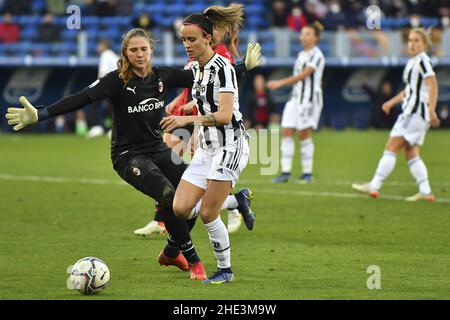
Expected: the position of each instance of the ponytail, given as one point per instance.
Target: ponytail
(317, 27)
(225, 19)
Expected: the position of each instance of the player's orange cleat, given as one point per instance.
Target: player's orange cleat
(179, 261)
(366, 188)
(198, 271)
(420, 196)
(374, 194)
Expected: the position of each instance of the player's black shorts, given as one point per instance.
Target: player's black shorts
(155, 173)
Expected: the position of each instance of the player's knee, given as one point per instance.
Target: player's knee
(208, 214)
(305, 134)
(181, 209)
(288, 132)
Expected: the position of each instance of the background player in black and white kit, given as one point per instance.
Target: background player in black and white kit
(418, 112)
(302, 111)
(223, 148)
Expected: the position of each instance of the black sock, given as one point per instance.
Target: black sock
(179, 233)
(159, 216)
(191, 223)
(228, 270)
(171, 249)
(190, 254)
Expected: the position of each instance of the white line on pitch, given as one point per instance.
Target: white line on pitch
(349, 183)
(60, 180)
(270, 190)
(338, 195)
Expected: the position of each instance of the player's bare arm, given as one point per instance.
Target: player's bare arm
(221, 117)
(276, 84)
(388, 105)
(433, 94)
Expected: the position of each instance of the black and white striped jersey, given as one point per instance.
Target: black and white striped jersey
(417, 91)
(217, 76)
(310, 89)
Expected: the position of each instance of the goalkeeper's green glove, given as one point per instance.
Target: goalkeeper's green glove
(253, 56)
(22, 118)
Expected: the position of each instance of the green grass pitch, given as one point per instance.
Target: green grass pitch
(61, 200)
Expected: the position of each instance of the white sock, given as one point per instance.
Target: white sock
(287, 153)
(307, 154)
(220, 242)
(420, 173)
(384, 169)
(229, 203)
(195, 210)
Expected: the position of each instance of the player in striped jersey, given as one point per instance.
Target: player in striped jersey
(302, 111)
(226, 45)
(223, 148)
(419, 100)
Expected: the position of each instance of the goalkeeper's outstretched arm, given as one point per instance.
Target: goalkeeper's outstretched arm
(21, 118)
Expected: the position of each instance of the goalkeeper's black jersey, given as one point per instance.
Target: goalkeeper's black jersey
(138, 107)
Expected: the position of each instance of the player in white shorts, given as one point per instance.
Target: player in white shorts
(223, 151)
(419, 103)
(302, 111)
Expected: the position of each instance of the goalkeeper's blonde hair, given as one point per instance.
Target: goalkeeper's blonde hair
(124, 65)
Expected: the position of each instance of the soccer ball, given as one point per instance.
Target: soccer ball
(88, 275)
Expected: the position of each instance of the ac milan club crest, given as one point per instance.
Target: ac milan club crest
(160, 86)
(136, 171)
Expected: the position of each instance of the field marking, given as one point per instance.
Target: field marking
(340, 195)
(61, 180)
(264, 190)
(349, 183)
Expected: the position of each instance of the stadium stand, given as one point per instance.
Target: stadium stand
(349, 46)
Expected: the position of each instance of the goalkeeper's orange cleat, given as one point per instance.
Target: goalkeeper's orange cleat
(198, 271)
(179, 261)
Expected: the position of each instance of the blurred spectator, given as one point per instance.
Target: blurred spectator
(414, 21)
(9, 31)
(445, 22)
(378, 118)
(436, 42)
(260, 105)
(56, 7)
(335, 18)
(278, 14)
(18, 7)
(106, 8)
(443, 113)
(48, 31)
(124, 7)
(314, 10)
(296, 20)
(354, 14)
(176, 26)
(108, 58)
(144, 21)
(88, 7)
(393, 8)
(100, 114)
